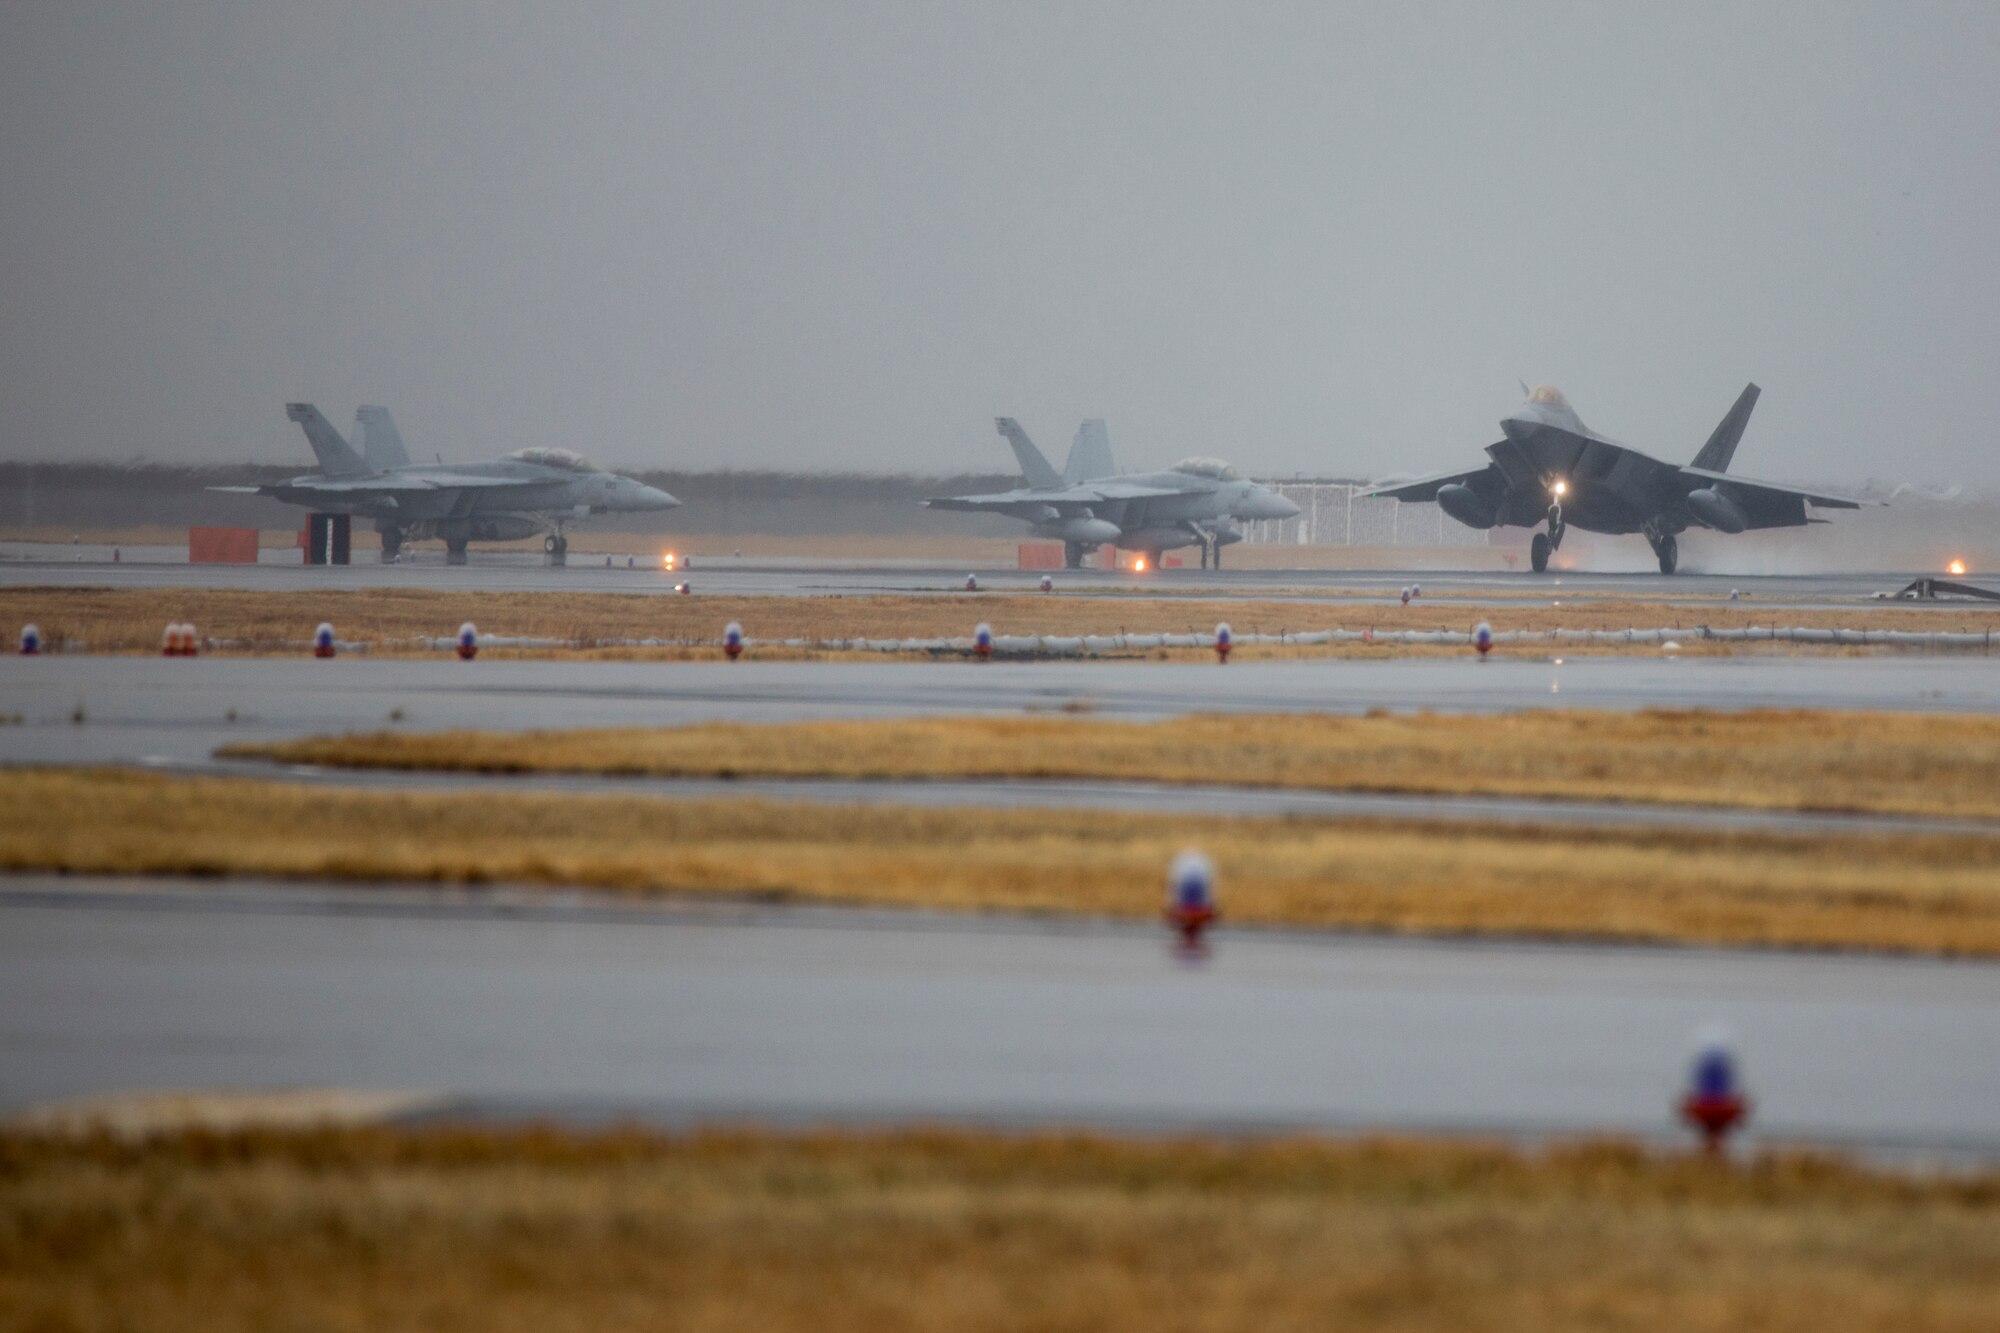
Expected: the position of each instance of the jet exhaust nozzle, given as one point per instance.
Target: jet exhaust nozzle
(1463, 503)
(1717, 510)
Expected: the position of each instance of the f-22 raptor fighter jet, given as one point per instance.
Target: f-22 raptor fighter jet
(1196, 502)
(506, 499)
(1552, 467)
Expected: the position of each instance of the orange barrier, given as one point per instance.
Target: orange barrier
(222, 546)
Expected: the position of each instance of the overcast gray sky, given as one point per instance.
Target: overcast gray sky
(845, 236)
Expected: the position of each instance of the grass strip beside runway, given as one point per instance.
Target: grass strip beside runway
(1926, 894)
(492, 1231)
(272, 622)
(1810, 760)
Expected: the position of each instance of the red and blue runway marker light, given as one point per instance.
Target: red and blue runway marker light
(1223, 643)
(972, 583)
(1191, 898)
(1048, 584)
(31, 640)
(1406, 594)
(179, 641)
(1482, 639)
(468, 642)
(982, 641)
(732, 641)
(323, 645)
(1714, 1103)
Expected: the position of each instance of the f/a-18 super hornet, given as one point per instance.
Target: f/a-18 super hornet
(528, 491)
(1196, 502)
(1553, 468)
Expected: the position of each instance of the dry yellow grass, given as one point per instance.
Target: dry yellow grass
(130, 619)
(494, 1231)
(1921, 894)
(1912, 763)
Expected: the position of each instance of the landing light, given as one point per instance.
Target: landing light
(1560, 488)
(1955, 567)
(667, 561)
(1139, 565)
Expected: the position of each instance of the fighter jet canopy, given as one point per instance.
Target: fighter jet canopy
(1548, 395)
(567, 459)
(1213, 468)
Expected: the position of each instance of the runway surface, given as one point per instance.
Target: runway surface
(23, 565)
(583, 1008)
(136, 708)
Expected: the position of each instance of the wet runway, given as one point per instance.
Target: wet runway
(584, 1008)
(724, 575)
(136, 708)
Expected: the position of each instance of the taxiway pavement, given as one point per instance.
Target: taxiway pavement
(585, 1008)
(176, 709)
(25, 565)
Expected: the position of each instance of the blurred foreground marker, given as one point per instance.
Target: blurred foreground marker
(732, 641)
(31, 640)
(982, 641)
(1416, 591)
(972, 583)
(1191, 898)
(468, 642)
(1223, 643)
(323, 640)
(1048, 584)
(1714, 1103)
(1482, 639)
(1406, 594)
(178, 641)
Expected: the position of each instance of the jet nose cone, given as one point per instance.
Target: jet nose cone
(1520, 425)
(1283, 508)
(652, 497)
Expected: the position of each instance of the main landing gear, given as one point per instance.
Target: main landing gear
(1211, 553)
(1073, 555)
(392, 544)
(1666, 548)
(1546, 544)
(557, 546)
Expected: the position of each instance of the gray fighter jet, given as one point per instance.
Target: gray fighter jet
(1197, 502)
(1553, 468)
(528, 491)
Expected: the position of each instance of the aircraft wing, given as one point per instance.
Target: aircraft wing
(1770, 491)
(1112, 489)
(353, 486)
(1004, 501)
(1423, 488)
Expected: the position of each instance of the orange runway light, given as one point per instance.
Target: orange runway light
(1955, 567)
(1139, 565)
(667, 561)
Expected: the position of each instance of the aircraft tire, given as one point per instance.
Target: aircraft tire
(1670, 554)
(392, 544)
(550, 544)
(1072, 555)
(454, 553)
(1538, 552)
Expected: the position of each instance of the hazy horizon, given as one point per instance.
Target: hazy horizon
(845, 238)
